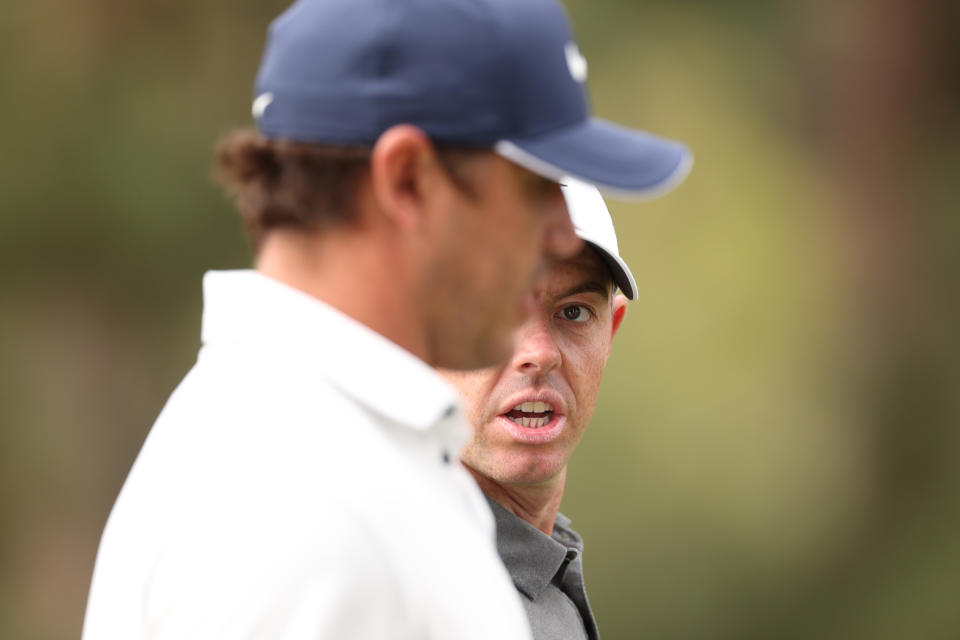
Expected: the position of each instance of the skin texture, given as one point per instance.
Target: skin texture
(559, 355)
(443, 273)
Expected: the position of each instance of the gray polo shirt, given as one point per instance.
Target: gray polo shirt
(548, 573)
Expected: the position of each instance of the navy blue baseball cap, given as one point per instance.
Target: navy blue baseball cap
(501, 74)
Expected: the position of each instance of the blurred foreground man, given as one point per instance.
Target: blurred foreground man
(530, 413)
(301, 482)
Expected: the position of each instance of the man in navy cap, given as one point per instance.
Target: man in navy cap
(400, 193)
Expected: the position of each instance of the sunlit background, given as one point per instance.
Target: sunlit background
(776, 448)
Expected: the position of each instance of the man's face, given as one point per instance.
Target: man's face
(496, 240)
(530, 413)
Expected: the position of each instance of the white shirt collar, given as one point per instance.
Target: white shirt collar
(245, 306)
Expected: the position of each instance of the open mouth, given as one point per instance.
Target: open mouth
(532, 415)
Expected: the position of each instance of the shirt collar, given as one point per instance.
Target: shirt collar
(534, 559)
(247, 307)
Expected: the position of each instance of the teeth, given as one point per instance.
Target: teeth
(533, 423)
(534, 407)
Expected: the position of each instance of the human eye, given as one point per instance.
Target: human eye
(576, 313)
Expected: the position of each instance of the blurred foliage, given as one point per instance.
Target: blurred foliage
(774, 451)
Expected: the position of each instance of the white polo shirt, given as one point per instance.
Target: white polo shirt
(301, 482)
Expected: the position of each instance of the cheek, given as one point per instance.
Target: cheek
(585, 365)
(520, 233)
(475, 389)
(499, 265)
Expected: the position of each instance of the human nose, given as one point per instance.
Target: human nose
(535, 351)
(561, 240)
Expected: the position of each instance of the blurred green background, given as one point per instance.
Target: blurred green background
(775, 451)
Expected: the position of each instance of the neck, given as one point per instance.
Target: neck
(356, 271)
(537, 504)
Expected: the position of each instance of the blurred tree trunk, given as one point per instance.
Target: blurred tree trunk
(880, 77)
(879, 85)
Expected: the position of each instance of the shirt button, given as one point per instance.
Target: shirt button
(445, 456)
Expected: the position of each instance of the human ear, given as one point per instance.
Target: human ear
(399, 166)
(619, 312)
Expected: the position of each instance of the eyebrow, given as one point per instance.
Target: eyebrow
(587, 286)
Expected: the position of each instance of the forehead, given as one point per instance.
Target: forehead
(587, 267)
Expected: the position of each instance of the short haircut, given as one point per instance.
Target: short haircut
(280, 183)
(277, 183)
